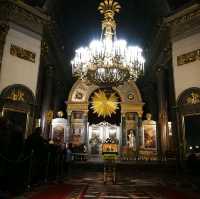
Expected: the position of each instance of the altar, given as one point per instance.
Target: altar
(99, 133)
(96, 114)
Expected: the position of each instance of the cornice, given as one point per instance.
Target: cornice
(184, 23)
(23, 15)
(184, 15)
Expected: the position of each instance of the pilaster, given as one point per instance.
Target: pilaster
(162, 114)
(47, 104)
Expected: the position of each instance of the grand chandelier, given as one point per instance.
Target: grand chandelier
(108, 61)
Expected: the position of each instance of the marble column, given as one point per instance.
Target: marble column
(123, 121)
(137, 135)
(69, 116)
(3, 33)
(140, 133)
(86, 129)
(162, 114)
(176, 125)
(47, 104)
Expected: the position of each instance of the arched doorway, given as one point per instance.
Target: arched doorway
(188, 118)
(17, 104)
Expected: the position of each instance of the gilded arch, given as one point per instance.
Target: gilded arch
(131, 100)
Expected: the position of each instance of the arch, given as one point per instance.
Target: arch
(190, 96)
(82, 90)
(28, 96)
(131, 100)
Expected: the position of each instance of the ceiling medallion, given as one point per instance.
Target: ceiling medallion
(108, 61)
(104, 105)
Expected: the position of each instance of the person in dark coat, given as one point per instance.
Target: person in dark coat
(37, 145)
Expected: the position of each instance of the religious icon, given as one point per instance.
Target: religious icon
(113, 137)
(76, 136)
(149, 138)
(149, 128)
(95, 142)
(58, 135)
(131, 140)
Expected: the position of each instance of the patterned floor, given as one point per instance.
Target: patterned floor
(135, 185)
(140, 187)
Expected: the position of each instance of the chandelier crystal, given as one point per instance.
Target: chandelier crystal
(108, 61)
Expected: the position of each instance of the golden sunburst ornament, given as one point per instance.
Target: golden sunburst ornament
(103, 105)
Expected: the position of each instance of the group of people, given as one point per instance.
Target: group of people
(18, 155)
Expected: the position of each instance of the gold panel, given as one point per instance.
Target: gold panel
(129, 107)
(16, 95)
(77, 107)
(188, 57)
(194, 98)
(22, 53)
(49, 116)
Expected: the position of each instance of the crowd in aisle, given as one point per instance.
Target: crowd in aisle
(28, 162)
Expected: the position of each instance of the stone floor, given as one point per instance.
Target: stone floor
(137, 184)
(132, 182)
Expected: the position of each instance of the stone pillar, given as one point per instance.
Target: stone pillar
(140, 132)
(3, 33)
(162, 114)
(47, 104)
(86, 128)
(137, 135)
(123, 120)
(176, 123)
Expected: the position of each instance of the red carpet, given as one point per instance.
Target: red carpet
(60, 191)
(173, 194)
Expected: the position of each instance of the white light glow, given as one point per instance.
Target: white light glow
(107, 53)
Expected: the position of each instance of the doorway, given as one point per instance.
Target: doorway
(192, 131)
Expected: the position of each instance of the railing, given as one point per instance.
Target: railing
(79, 157)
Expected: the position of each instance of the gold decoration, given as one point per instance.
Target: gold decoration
(103, 105)
(193, 99)
(49, 116)
(16, 95)
(22, 53)
(60, 114)
(108, 8)
(188, 57)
